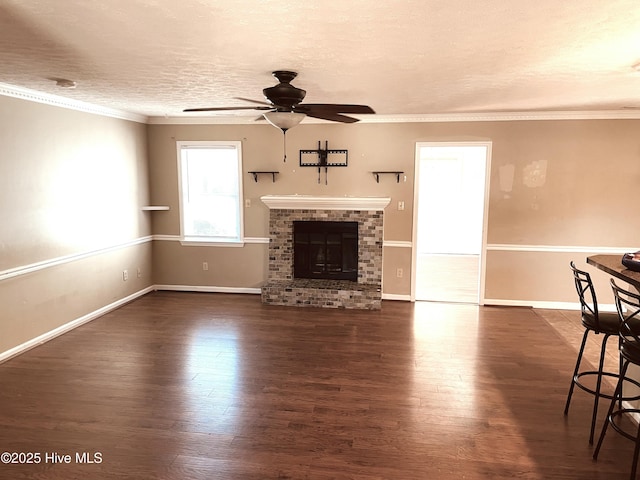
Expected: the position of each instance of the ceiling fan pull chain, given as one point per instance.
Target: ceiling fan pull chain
(284, 144)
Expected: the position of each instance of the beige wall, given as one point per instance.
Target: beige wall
(229, 268)
(592, 167)
(371, 147)
(71, 188)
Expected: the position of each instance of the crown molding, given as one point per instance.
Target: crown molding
(64, 102)
(420, 118)
(505, 116)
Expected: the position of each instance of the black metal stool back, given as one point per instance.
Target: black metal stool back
(587, 296)
(628, 307)
(599, 323)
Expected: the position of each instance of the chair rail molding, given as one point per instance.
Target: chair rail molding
(53, 262)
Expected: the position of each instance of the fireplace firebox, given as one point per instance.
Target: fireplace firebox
(325, 249)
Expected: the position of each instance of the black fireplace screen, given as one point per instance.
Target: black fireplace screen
(325, 250)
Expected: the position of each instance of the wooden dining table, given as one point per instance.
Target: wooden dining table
(612, 264)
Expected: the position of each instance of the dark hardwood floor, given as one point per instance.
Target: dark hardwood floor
(214, 386)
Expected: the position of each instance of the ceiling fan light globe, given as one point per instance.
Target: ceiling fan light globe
(284, 120)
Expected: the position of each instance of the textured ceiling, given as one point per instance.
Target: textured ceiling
(157, 57)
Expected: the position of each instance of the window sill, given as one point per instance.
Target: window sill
(206, 242)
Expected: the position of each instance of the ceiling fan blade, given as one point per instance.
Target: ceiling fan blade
(284, 97)
(335, 107)
(220, 109)
(333, 117)
(259, 102)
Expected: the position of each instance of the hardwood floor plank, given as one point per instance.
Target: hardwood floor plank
(207, 386)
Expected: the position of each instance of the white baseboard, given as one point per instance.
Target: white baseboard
(545, 305)
(395, 296)
(50, 335)
(257, 291)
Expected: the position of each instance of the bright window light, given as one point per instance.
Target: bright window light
(210, 191)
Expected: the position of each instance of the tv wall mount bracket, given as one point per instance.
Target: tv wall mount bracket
(324, 158)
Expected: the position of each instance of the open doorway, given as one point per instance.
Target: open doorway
(449, 228)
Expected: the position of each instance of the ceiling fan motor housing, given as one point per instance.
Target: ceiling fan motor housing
(284, 95)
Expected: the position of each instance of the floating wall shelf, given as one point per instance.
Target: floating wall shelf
(155, 207)
(272, 173)
(396, 173)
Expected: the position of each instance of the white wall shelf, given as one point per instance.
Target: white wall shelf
(155, 207)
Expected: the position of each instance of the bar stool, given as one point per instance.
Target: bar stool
(628, 306)
(599, 323)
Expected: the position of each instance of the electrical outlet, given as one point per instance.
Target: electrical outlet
(401, 205)
(139, 272)
(247, 202)
(205, 266)
(125, 275)
(399, 273)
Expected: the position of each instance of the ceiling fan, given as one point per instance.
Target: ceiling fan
(284, 109)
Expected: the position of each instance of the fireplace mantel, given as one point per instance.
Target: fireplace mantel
(308, 202)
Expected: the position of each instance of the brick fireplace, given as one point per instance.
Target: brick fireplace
(282, 288)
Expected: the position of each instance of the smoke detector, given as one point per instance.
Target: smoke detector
(64, 83)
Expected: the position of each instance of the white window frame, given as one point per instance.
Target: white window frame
(182, 191)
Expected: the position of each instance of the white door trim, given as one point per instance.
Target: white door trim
(414, 233)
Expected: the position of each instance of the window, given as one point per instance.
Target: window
(210, 191)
